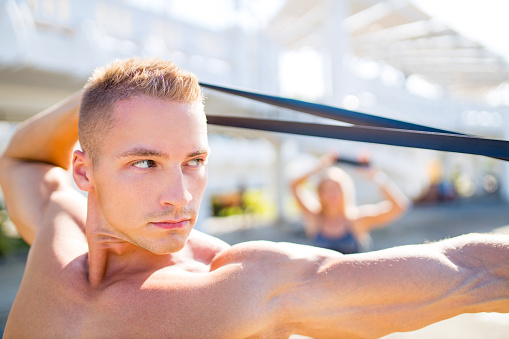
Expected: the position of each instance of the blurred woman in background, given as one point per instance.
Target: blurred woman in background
(334, 221)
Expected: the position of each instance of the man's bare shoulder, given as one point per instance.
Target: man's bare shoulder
(212, 250)
(204, 246)
(231, 301)
(269, 257)
(49, 297)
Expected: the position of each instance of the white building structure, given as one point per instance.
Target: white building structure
(380, 57)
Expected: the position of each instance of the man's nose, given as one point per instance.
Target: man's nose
(175, 191)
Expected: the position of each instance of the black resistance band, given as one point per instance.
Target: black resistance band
(387, 136)
(374, 130)
(324, 111)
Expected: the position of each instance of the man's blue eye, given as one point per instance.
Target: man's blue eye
(144, 164)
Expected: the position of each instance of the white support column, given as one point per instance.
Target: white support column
(504, 179)
(278, 179)
(241, 58)
(504, 173)
(337, 44)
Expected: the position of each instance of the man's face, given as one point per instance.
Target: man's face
(152, 172)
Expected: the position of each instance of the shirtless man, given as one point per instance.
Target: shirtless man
(125, 263)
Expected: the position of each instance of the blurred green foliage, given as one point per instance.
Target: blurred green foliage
(8, 243)
(246, 202)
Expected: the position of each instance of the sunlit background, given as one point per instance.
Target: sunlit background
(441, 63)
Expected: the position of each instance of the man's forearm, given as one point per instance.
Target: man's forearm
(486, 259)
(409, 287)
(50, 136)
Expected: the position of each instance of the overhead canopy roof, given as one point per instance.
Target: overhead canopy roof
(397, 33)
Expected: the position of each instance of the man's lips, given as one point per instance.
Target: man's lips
(171, 224)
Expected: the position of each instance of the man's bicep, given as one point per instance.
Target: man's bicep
(400, 289)
(28, 189)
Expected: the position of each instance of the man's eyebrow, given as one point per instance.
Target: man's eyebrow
(142, 152)
(146, 152)
(199, 152)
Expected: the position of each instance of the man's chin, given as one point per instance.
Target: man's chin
(165, 251)
(172, 245)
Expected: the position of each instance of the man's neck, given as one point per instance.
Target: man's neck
(110, 255)
(112, 261)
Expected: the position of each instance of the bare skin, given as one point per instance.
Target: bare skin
(142, 272)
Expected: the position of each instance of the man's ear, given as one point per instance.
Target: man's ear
(81, 171)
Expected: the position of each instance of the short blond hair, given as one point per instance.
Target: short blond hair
(123, 79)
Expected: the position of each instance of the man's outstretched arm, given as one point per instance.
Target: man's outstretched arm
(404, 288)
(322, 294)
(34, 166)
